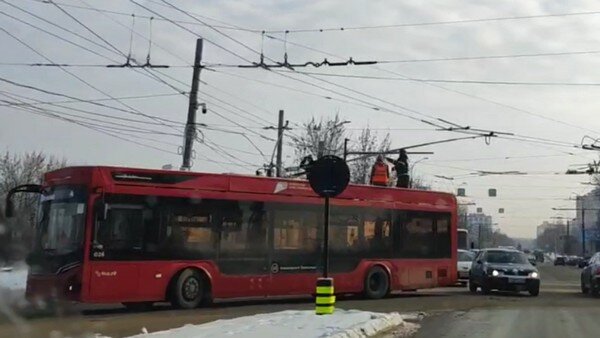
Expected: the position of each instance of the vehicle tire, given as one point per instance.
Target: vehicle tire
(534, 291)
(485, 289)
(138, 306)
(584, 289)
(188, 289)
(594, 290)
(472, 286)
(377, 283)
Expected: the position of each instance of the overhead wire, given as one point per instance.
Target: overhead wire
(44, 112)
(53, 64)
(78, 77)
(331, 83)
(133, 97)
(120, 13)
(185, 28)
(113, 47)
(45, 91)
(132, 30)
(108, 43)
(433, 23)
(458, 81)
(422, 81)
(166, 50)
(56, 36)
(247, 47)
(82, 111)
(490, 57)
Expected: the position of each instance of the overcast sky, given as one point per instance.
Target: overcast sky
(252, 97)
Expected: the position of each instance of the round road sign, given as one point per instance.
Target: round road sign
(329, 176)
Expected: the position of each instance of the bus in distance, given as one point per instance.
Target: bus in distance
(139, 236)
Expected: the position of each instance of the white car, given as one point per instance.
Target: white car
(465, 258)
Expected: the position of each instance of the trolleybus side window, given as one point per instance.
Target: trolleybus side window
(377, 229)
(442, 236)
(189, 228)
(119, 235)
(296, 236)
(422, 235)
(243, 239)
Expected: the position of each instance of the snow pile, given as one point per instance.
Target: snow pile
(13, 279)
(292, 324)
(12, 285)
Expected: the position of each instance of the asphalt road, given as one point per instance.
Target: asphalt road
(559, 311)
(451, 312)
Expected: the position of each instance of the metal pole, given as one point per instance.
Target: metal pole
(567, 243)
(346, 148)
(190, 126)
(583, 231)
(279, 143)
(326, 239)
(479, 235)
(321, 149)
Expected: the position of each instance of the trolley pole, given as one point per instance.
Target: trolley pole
(190, 125)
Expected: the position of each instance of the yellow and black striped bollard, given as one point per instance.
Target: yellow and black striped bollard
(325, 300)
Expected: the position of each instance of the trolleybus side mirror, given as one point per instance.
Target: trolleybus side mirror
(9, 208)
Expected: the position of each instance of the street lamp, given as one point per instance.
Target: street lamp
(421, 160)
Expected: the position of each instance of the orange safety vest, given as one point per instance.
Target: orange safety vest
(380, 174)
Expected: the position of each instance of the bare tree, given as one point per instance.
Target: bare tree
(417, 182)
(501, 239)
(15, 234)
(323, 137)
(367, 142)
(326, 137)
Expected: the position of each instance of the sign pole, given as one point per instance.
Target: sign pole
(328, 177)
(326, 239)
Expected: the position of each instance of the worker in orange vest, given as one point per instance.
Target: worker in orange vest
(380, 174)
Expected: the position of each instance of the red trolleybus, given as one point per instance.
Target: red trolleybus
(137, 236)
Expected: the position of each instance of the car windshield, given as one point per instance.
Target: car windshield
(465, 256)
(506, 257)
(61, 225)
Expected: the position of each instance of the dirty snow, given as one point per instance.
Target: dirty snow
(292, 324)
(13, 278)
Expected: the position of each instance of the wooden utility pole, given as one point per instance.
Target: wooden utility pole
(280, 128)
(190, 125)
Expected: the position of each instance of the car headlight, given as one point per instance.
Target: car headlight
(533, 275)
(495, 273)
